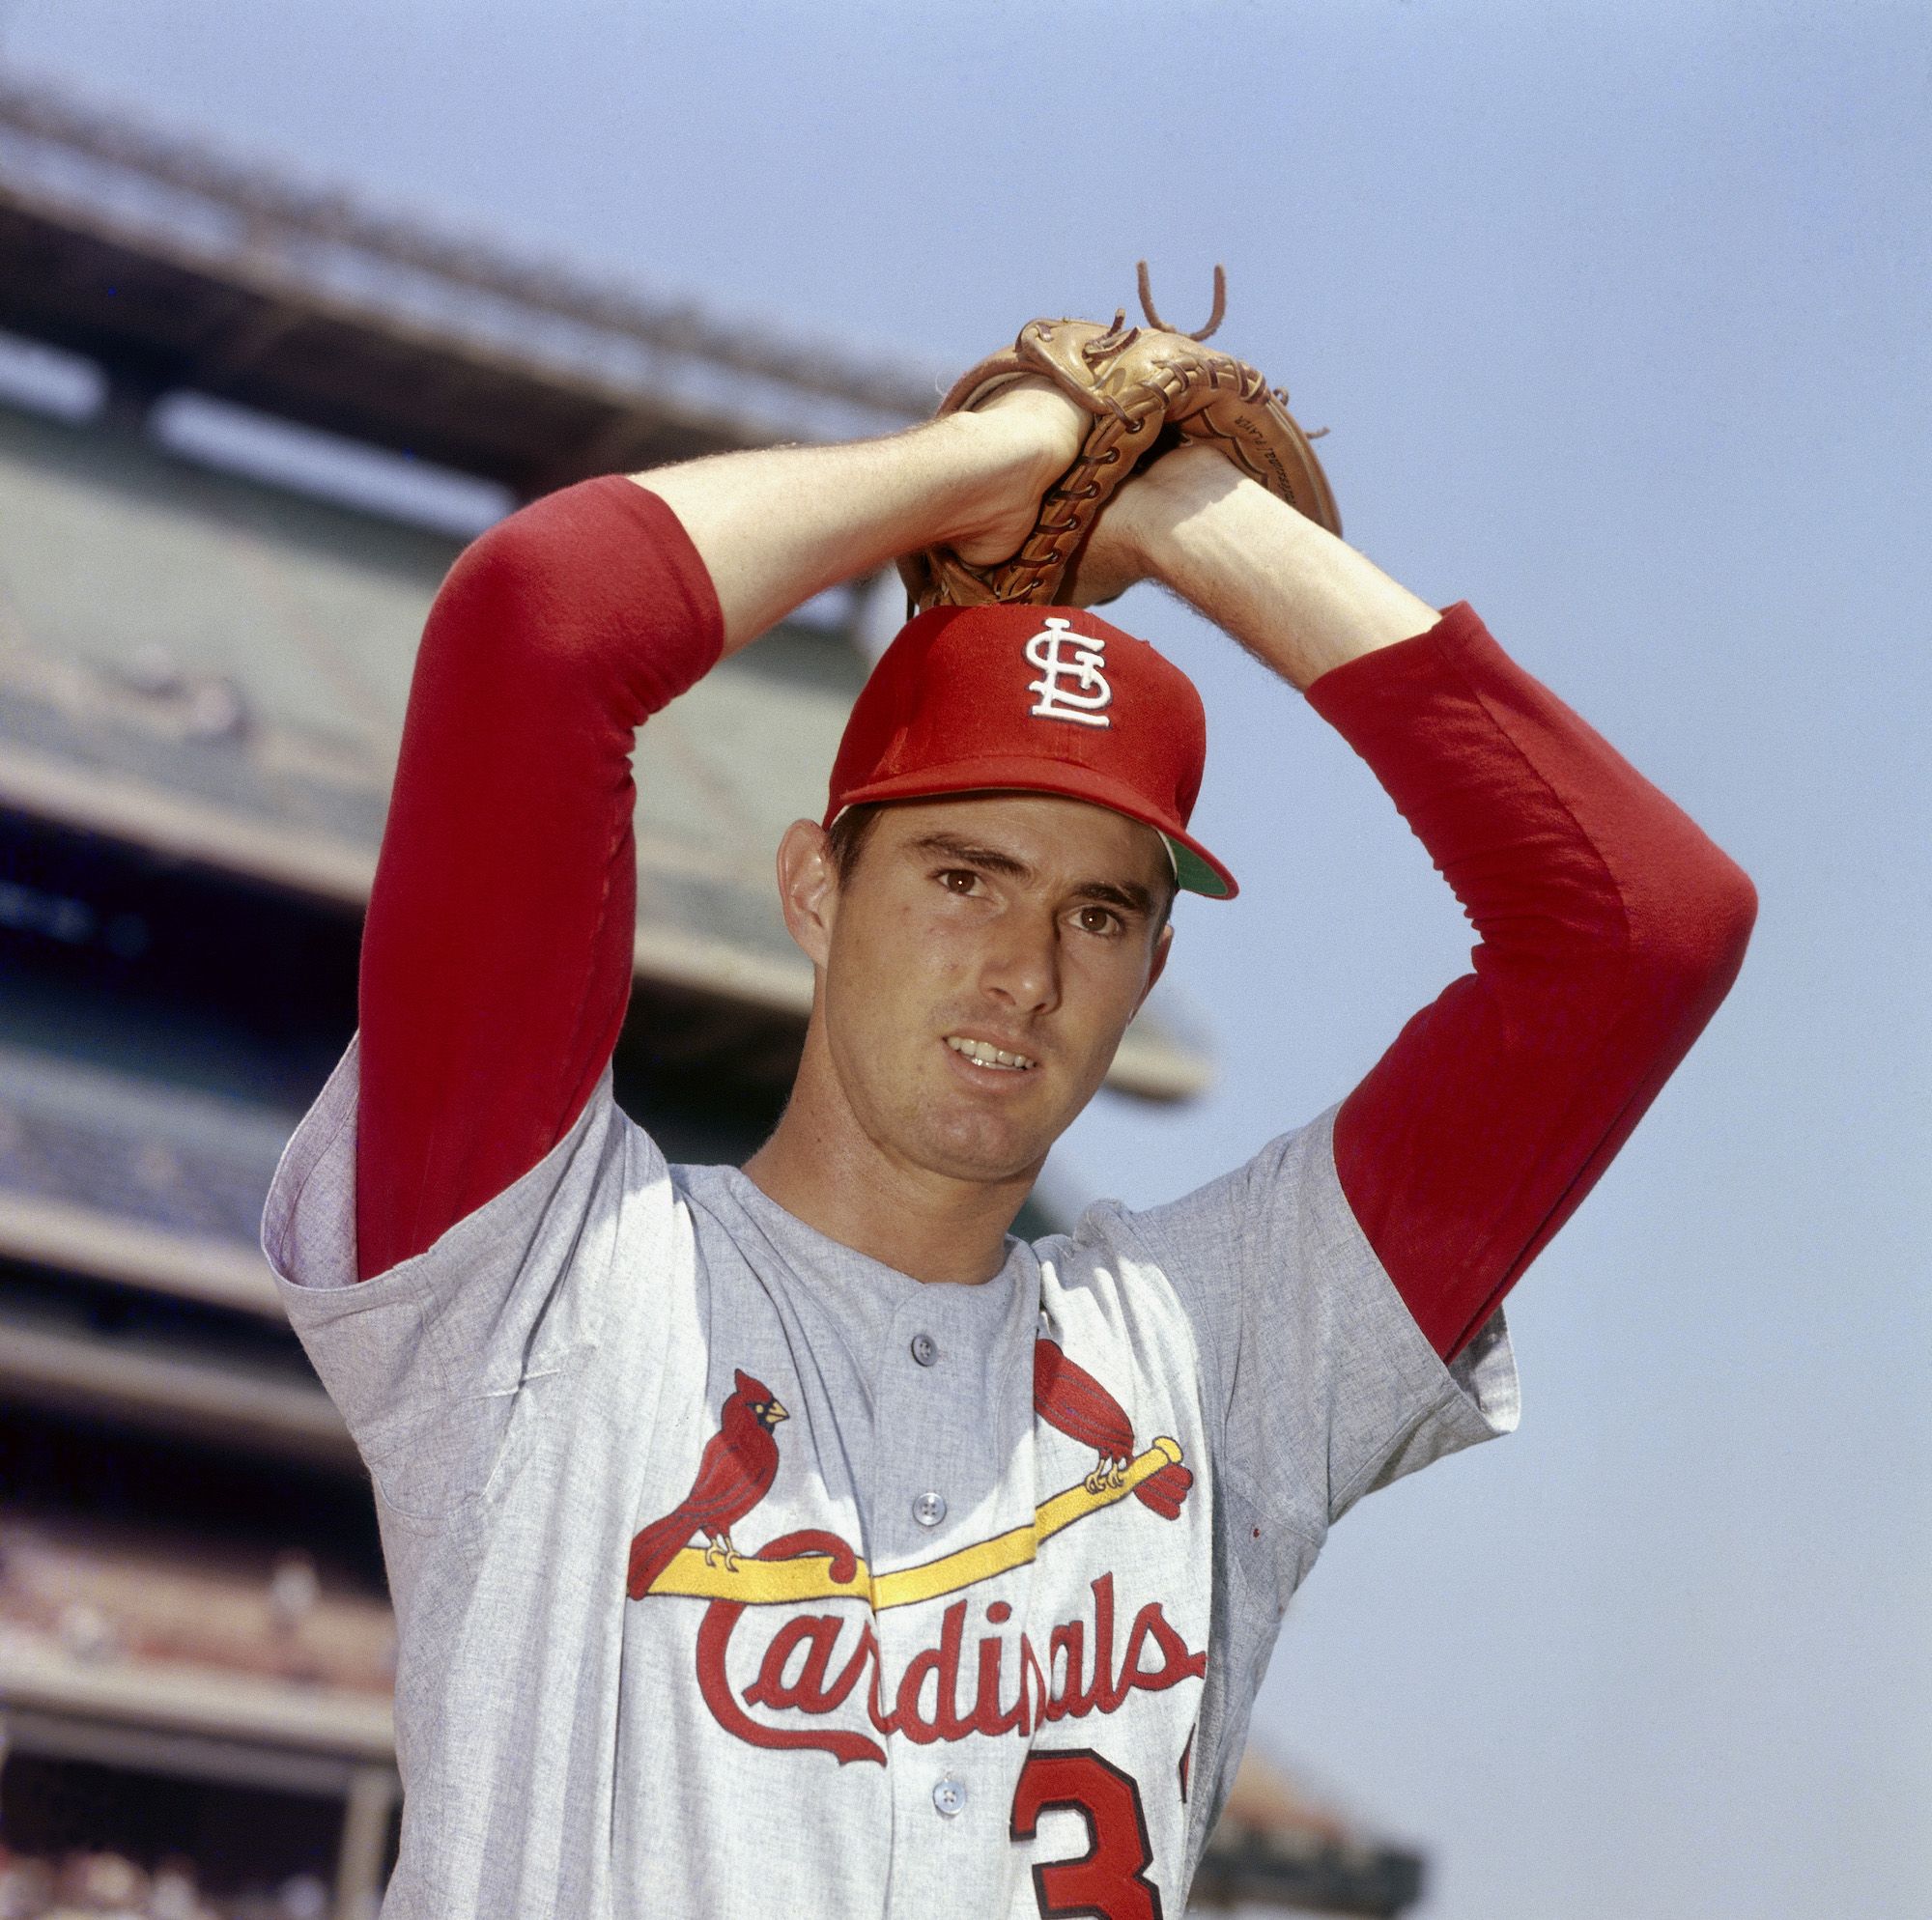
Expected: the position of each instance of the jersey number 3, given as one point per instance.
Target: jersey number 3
(1109, 1880)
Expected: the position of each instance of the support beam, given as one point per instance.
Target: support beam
(364, 1854)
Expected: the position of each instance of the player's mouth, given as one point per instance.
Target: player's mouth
(984, 1054)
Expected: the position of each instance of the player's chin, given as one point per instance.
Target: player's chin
(996, 1140)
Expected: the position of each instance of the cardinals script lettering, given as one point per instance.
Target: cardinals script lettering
(815, 1665)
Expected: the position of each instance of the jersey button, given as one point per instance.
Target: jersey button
(950, 1797)
(929, 1509)
(926, 1349)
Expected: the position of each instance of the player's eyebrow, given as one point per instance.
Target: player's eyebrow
(1128, 896)
(988, 859)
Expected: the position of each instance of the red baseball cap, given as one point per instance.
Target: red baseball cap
(1034, 699)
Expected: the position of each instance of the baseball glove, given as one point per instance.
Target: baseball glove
(1148, 391)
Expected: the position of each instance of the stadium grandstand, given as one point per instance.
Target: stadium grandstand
(245, 428)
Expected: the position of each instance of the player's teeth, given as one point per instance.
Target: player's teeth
(985, 1053)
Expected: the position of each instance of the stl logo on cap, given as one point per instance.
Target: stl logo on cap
(943, 712)
(1071, 686)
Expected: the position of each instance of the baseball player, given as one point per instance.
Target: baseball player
(791, 1538)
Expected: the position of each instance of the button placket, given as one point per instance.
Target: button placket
(948, 1432)
(917, 1414)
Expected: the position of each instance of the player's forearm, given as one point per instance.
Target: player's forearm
(1297, 598)
(775, 525)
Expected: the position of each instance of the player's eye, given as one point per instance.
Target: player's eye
(1098, 919)
(957, 879)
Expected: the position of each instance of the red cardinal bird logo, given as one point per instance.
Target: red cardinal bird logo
(1066, 1396)
(735, 1472)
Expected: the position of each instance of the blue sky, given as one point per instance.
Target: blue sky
(1619, 315)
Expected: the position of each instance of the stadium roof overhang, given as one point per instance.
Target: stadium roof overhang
(175, 269)
(165, 320)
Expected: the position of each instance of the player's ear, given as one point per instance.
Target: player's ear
(1163, 944)
(809, 886)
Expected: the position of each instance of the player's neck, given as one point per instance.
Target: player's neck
(822, 1168)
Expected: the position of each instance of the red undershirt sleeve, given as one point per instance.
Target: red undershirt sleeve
(1610, 930)
(496, 955)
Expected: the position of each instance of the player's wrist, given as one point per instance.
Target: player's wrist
(1156, 511)
(1136, 535)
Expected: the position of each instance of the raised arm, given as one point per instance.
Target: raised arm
(1611, 926)
(497, 955)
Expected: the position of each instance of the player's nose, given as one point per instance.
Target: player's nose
(1020, 965)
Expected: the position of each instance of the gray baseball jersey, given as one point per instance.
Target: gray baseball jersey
(738, 1574)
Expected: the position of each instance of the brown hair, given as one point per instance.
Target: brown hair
(848, 836)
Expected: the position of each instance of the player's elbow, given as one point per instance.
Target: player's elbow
(506, 604)
(1733, 914)
(502, 564)
(1694, 940)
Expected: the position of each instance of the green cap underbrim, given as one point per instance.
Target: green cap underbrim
(1192, 874)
